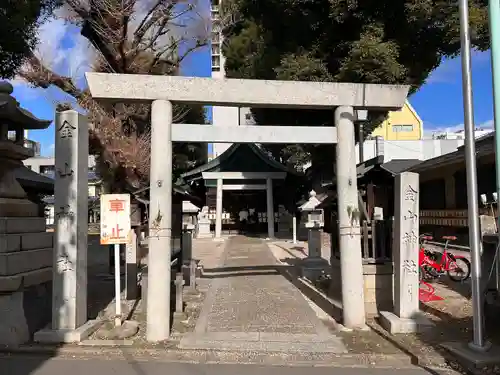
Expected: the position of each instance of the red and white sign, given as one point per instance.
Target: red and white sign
(115, 219)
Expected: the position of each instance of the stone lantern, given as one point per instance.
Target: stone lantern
(305, 209)
(26, 249)
(13, 199)
(313, 222)
(189, 215)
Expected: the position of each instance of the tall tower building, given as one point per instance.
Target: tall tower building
(222, 116)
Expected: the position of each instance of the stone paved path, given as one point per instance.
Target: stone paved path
(251, 306)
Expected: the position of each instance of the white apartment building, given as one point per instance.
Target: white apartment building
(222, 116)
(460, 134)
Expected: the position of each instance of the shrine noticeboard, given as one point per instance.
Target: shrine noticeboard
(115, 219)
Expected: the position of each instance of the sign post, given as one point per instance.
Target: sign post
(115, 230)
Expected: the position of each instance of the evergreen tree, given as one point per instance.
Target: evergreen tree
(19, 20)
(369, 41)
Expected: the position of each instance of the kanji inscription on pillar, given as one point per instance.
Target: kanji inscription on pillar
(406, 233)
(115, 219)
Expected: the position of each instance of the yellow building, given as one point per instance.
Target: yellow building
(402, 125)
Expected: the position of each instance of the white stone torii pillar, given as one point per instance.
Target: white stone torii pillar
(349, 226)
(248, 93)
(160, 223)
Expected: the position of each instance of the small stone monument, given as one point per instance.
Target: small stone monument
(203, 223)
(285, 223)
(314, 264)
(406, 317)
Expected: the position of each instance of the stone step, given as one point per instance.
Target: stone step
(263, 342)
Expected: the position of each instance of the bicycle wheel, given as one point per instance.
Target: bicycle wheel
(425, 275)
(459, 269)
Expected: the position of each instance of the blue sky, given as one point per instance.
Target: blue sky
(438, 102)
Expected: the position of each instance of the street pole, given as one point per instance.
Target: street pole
(494, 18)
(118, 289)
(478, 342)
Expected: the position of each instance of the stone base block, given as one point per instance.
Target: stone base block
(13, 325)
(313, 268)
(14, 283)
(479, 357)
(22, 224)
(25, 261)
(203, 230)
(53, 336)
(18, 207)
(180, 316)
(394, 324)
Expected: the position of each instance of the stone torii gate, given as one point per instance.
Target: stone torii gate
(342, 98)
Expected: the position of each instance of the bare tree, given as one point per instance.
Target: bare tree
(130, 37)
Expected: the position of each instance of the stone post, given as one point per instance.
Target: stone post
(270, 208)
(351, 264)
(131, 268)
(406, 317)
(218, 210)
(179, 303)
(160, 223)
(69, 283)
(187, 243)
(294, 228)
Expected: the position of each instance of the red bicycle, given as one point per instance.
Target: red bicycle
(433, 264)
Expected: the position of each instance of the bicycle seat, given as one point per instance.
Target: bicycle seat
(427, 238)
(449, 238)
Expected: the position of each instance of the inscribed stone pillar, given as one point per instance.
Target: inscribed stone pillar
(405, 248)
(69, 299)
(160, 223)
(270, 208)
(351, 264)
(218, 210)
(406, 317)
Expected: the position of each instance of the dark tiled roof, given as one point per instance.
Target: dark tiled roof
(229, 152)
(92, 176)
(32, 180)
(397, 166)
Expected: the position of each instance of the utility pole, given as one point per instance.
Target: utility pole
(478, 342)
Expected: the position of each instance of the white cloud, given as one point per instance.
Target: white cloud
(430, 129)
(62, 48)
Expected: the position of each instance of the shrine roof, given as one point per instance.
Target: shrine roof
(15, 116)
(34, 181)
(484, 146)
(239, 158)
